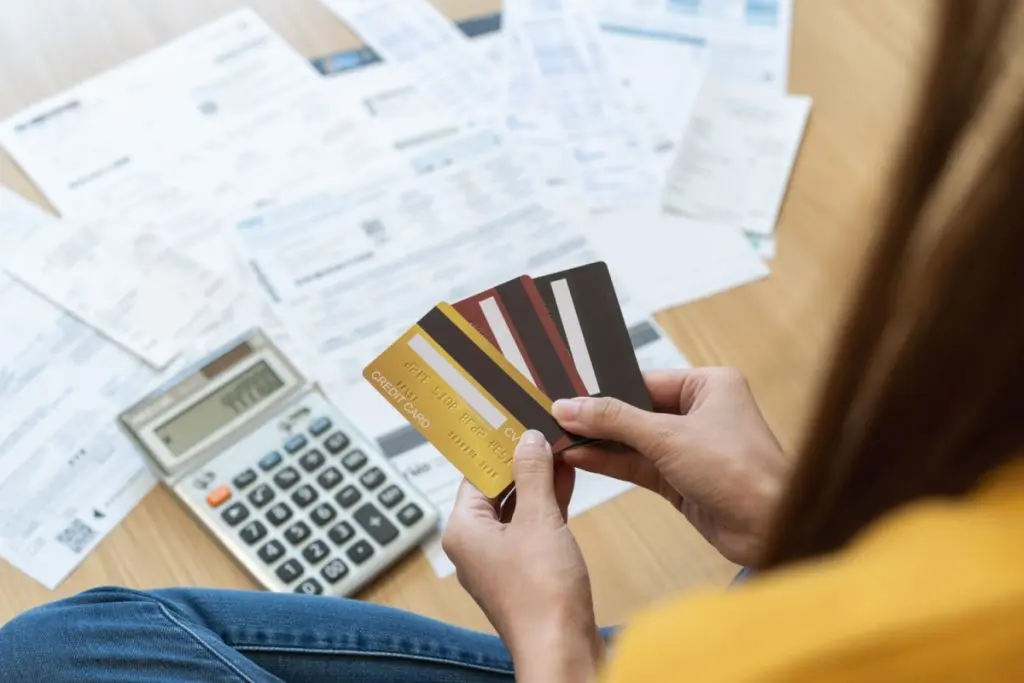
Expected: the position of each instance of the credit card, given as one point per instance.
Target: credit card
(514, 318)
(585, 309)
(463, 396)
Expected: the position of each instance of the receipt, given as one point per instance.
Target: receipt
(734, 163)
(575, 82)
(746, 42)
(413, 35)
(130, 286)
(67, 476)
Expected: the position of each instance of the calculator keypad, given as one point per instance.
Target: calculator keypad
(336, 443)
(290, 570)
(305, 496)
(315, 510)
(312, 461)
(261, 495)
(271, 552)
(279, 514)
(348, 496)
(287, 478)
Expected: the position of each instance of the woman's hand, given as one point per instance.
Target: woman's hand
(707, 450)
(528, 574)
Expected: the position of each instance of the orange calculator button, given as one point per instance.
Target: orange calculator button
(219, 497)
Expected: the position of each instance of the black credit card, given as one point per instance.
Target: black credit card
(586, 311)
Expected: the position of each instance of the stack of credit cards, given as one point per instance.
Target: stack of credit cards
(472, 376)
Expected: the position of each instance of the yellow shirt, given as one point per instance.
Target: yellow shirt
(933, 592)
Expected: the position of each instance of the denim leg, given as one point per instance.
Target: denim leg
(111, 635)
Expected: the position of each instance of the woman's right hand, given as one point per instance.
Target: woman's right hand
(707, 450)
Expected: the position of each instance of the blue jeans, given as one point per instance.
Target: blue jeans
(110, 635)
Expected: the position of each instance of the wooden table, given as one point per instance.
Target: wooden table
(859, 59)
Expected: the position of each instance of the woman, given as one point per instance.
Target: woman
(893, 551)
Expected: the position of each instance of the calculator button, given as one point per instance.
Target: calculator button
(290, 570)
(294, 444)
(287, 478)
(304, 495)
(235, 514)
(334, 570)
(279, 514)
(319, 425)
(219, 497)
(312, 461)
(348, 497)
(353, 461)
(261, 495)
(316, 551)
(310, 587)
(329, 478)
(253, 531)
(341, 532)
(376, 524)
(297, 533)
(270, 460)
(271, 552)
(336, 443)
(410, 514)
(322, 514)
(244, 479)
(391, 496)
(360, 552)
(372, 478)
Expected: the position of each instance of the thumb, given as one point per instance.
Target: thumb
(611, 419)
(533, 467)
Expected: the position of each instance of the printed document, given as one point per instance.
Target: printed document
(734, 163)
(574, 81)
(746, 41)
(416, 37)
(67, 476)
(130, 286)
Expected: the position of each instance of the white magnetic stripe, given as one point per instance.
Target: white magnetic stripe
(574, 335)
(462, 386)
(503, 335)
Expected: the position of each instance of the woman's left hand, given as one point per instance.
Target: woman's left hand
(528, 574)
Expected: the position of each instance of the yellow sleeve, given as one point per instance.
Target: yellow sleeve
(936, 594)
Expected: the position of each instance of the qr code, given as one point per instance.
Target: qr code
(77, 536)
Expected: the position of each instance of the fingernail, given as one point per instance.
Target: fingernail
(567, 409)
(532, 437)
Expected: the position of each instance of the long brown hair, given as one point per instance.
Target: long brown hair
(926, 392)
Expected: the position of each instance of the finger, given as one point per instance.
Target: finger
(620, 463)
(471, 503)
(565, 483)
(533, 467)
(610, 418)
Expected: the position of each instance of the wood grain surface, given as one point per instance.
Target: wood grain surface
(859, 59)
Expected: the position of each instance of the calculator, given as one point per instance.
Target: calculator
(276, 473)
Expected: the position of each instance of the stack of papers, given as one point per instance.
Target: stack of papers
(331, 202)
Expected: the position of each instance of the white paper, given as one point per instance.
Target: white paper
(576, 84)
(747, 42)
(61, 387)
(130, 286)
(240, 115)
(415, 36)
(734, 163)
(668, 260)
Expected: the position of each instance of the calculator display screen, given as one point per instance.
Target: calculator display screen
(220, 408)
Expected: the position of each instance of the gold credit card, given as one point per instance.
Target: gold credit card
(463, 396)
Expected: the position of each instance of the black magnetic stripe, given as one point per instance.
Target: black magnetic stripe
(489, 374)
(528, 325)
(604, 328)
